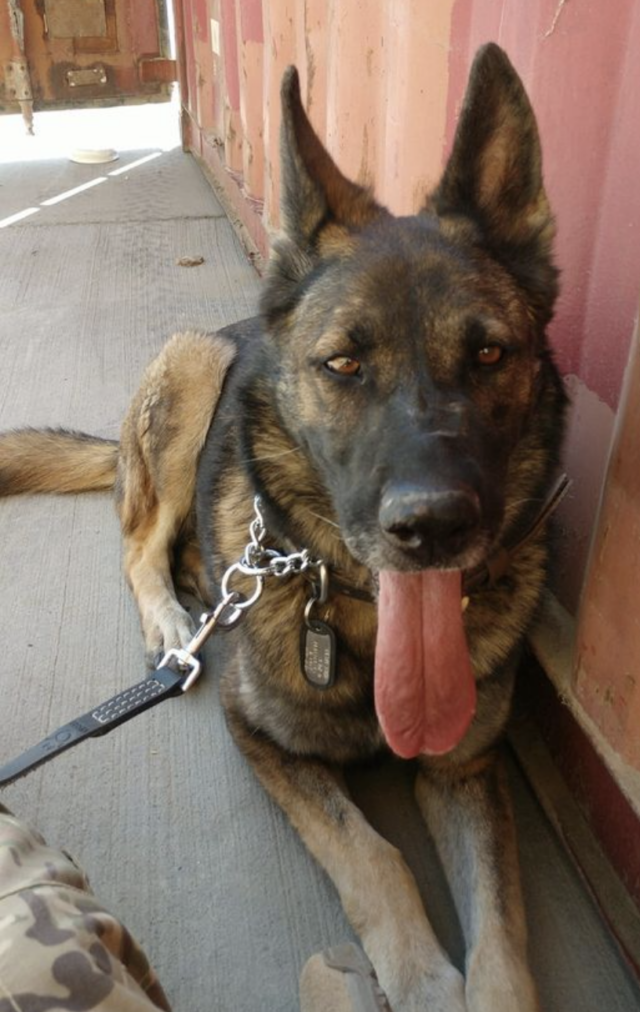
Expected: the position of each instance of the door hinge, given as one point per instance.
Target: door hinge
(18, 80)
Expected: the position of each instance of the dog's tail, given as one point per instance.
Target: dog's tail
(55, 460)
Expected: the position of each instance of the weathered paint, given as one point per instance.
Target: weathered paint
(612, 812)
(17, 75)
(587, 446)
(279, 51)
(374, 76)
(250, 12)
(249, 28)
(607, 677)
(233, 140)
(416, 56)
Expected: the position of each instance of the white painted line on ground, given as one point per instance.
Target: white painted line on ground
(77, 189)
(72, 193)
(18, 217)
(134, 165)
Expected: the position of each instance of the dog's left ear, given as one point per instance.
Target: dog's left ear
(494, 177)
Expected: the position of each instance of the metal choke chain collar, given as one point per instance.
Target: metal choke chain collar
(257, 562)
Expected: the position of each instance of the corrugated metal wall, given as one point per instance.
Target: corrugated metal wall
(374, 76)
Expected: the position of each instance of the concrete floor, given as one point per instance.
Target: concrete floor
(163, 812)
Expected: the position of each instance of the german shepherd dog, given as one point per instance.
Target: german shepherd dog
(397, 410)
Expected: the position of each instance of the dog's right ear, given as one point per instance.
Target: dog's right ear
(319, 206)
(314, 191)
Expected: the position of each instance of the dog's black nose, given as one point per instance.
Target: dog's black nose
(433, 525)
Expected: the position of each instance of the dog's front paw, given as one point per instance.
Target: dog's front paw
(344, 978)
(500, 985)
(440, 991)
(172, 629)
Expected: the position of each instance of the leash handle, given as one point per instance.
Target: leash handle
(177, 671)
(161, 684)
(165, 681)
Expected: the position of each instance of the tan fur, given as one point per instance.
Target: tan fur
(376, 888)
(162, 436)
(154, 471)
(55, 461)
(462, 796)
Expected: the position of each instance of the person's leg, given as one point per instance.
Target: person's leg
(59, 947)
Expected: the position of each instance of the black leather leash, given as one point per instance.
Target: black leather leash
(176, 673)
(180, 668)
(161, 684)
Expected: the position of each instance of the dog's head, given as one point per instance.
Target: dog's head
(409, 350)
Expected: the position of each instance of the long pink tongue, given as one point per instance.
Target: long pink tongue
(425, 692)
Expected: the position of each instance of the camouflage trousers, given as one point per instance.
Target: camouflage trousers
(61, 951)
(59, 948)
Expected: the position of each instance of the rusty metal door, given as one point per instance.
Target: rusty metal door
(61, 53)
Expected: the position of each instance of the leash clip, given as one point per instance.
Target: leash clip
(188, 661)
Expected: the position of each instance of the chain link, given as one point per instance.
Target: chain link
(253, 562)
(259, 562)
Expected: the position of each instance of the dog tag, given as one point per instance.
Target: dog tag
(318, 654)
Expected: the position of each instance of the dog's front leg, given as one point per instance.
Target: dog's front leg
(377, 890)
(162, 436)
(468, 810)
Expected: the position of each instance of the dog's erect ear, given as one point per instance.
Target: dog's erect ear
(314, 191)
(494, 177)
(319, 207)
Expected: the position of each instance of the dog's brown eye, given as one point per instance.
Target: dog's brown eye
(491, 354)
(343, 365)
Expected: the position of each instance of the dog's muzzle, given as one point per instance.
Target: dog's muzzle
(432, 526)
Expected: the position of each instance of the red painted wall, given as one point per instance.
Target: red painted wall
(580, 65)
